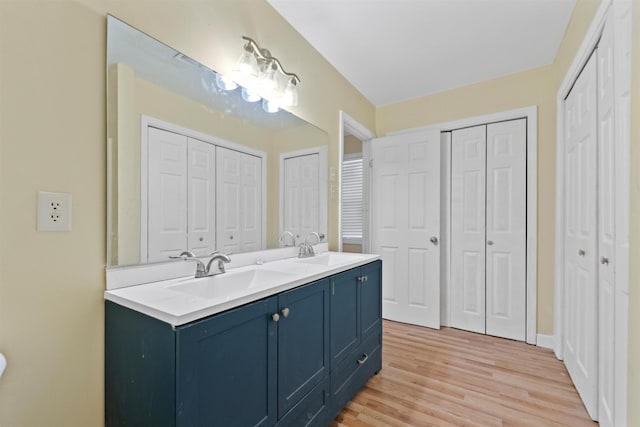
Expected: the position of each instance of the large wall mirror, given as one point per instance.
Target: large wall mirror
(193, 166)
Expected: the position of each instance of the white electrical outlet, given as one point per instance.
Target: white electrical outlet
(54, 211)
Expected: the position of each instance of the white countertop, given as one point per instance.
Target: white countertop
(183, 300)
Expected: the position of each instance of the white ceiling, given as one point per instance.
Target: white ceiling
(395, 50)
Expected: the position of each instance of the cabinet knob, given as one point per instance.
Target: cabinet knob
(201, 239)
(604, 260)
(275, 317)
(581, 252)
(285, 312)
(231, 237)
(490, 242)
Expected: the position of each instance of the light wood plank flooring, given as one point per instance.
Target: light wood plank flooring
(452, 377)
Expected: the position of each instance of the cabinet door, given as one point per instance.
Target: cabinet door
(227, 368)
(345, 318)
(370, 301)
(303, 342)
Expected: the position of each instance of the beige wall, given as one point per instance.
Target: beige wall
(53, 137)
(533, 87)
(352, 145)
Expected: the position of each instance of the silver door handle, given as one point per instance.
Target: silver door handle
(604, 260)
(434, 240)
(285, 312)
(581, 252)
(490, 242)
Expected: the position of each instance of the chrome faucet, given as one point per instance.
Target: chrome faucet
(283, 238)
(306, 248)
(221, 259)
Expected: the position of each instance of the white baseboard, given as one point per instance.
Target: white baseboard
(545, 341)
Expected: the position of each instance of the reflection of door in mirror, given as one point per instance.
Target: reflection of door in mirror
(200, 197)
(239, 206)
(303, 201)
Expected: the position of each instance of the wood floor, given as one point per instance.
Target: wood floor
(457, 378)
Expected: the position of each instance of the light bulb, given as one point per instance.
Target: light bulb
(225, 83)
(249, 95)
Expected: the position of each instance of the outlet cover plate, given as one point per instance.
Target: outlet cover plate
(54, 211)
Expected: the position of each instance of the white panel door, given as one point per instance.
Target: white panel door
(406, 225)
(580, 275)
(506, 229)
(301, 195)
(201, 176)
(167, 194)
(468, 232)
(606, 227)
(238, 201)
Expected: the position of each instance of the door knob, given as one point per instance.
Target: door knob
(490, 242)
(581, 252)
(604, 260)
(285, 312)
(434, 240)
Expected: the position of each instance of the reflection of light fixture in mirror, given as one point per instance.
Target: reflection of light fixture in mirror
(249, 95)
(265, 77)
(270, 106)
(225, 83)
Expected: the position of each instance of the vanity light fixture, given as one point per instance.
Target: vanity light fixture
(262, 76)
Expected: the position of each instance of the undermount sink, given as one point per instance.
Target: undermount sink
(331, 258)
(231, 283)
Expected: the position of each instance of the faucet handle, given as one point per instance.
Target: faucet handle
(183, 255)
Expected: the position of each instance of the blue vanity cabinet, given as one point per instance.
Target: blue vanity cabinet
(226, 368)
(356, 334)
(303, 355)
(291, 359)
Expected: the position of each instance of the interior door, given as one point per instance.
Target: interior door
(580, 257)
(301, 195)
(406, 225)
(506, 228)
(167, 194)
(468, 230)
(238, 201)
(201, 175)
(606, 227)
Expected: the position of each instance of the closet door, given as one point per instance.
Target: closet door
(606, 227)
(506, 229)
(202, 197)
(468, 234)
(238, 201)
(167, 194)
(581, 315)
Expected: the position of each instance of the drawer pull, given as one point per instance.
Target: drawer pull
(363, 360)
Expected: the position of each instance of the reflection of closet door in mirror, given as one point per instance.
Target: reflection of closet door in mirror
(301, 195)
(238, 201)
(167, 194)
(201, 176)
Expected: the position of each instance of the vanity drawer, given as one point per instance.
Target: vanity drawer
(312, 410)
(348, 377)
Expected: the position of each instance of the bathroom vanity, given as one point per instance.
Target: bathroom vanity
(286, 343)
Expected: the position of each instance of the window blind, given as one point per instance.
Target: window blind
(352, 200)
